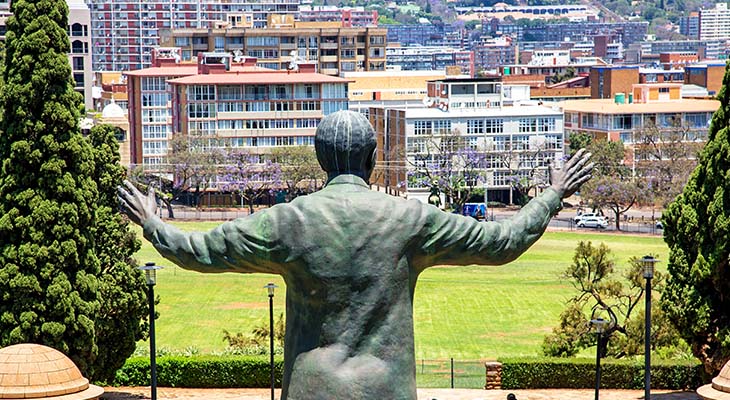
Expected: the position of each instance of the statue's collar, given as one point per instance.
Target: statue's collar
(347, 179)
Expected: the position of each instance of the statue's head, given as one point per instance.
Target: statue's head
(345, 144)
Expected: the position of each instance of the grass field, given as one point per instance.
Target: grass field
(467, 313)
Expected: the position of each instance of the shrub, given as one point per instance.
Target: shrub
(201, 372)
(576, 373)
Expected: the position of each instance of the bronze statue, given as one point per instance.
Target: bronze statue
(350, 258)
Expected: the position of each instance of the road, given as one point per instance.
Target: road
(641, 220)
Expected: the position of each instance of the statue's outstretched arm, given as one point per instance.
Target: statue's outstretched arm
(243, 245)
(451, 239)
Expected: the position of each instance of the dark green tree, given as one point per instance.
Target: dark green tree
(122, 316)
(617, 299)
(48, 269)
(697, 231)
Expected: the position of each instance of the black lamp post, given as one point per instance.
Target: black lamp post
(648, 263)
(150, 273)
(599, 324)
(271, 288)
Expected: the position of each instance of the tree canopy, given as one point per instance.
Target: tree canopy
(58, 207)
(697, 231)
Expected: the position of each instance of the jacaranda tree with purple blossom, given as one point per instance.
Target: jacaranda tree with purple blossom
(613, 185)
(250, 176)
(449, 164)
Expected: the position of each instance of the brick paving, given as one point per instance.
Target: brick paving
(139, 393)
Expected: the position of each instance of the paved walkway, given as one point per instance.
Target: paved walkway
(136, 393)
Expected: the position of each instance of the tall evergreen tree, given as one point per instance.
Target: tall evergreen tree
(119, 324)
(48, 267)
(697, 230)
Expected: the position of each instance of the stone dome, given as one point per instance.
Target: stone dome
(719, 389)
(112, 110)
(33, 371)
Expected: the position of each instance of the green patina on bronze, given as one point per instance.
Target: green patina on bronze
(350, 258)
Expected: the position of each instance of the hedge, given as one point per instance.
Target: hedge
(201, 372)
(580, 373)
(517, 373)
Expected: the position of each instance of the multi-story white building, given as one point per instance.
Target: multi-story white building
(125, 31)
(515, 138)
(714, 22)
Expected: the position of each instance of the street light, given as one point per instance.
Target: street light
(599, 324)
(150, 274)
(648, 263)
(271, 288)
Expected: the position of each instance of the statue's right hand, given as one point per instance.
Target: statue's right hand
(138, 207)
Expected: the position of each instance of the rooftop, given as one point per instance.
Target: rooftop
(432, 113)
(257, 78)
(608, 106)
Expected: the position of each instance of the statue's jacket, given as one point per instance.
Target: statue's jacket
(350, 258)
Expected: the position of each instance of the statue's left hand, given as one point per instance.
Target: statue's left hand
(138, 207)
(575, 172)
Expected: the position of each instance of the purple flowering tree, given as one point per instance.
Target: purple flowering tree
(612, 185)
(299, 168)
(251, 176)
(192, 165)
(449, 164)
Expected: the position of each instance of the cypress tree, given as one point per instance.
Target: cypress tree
(697, 230)
(119, 324)
(48, 267)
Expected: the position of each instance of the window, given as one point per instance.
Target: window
(422, 127)
(77, 63)
(623, 121)
(230, 92)
(263, 41)
(219, 42)
(663, 90)
(182, 41)
(201, 92)
(528, 124)
(154, 99)
(494, 125)
(79, 78)
(201, 110)
(546, 124)
(154, 131)
(697, 120)
(474, 126)
(154, 84)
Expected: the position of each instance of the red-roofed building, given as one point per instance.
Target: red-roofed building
(235, 105)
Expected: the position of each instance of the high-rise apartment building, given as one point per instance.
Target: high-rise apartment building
(333, 49)
(690, 25)
(347, 16)
(125, 31)
(715, 22)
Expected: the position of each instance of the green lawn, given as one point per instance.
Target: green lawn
(462, 312)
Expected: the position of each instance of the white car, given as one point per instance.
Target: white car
(585, 215)
(593, 222)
